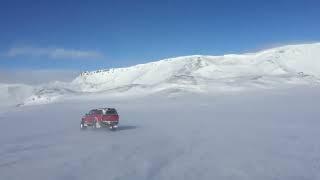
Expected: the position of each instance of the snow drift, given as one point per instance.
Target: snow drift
(283, 66)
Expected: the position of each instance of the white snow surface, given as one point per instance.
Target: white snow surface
(285, 66)
(262, 135)
(197, 117)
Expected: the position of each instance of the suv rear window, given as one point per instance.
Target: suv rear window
(110, 111)
(99, 112)
(96, 111)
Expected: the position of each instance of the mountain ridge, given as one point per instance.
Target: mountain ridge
(277, 67)
(270, 62)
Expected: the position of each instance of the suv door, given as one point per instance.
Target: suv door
(90, 116)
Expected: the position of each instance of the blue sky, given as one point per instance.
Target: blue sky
(88, 35)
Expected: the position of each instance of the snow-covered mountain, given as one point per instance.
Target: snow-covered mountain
(283, 66)
(288, 63)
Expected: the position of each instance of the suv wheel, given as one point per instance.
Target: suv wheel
(82, 126)
(95, 124)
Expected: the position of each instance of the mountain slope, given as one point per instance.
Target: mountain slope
(289, 63)
(12, 94)
(283, 66)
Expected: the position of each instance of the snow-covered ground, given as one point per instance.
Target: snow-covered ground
(250, 116)
(260, 135)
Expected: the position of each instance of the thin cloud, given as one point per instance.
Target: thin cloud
(53, 53)
(35, 77)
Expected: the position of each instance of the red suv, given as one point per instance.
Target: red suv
(102, 117)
